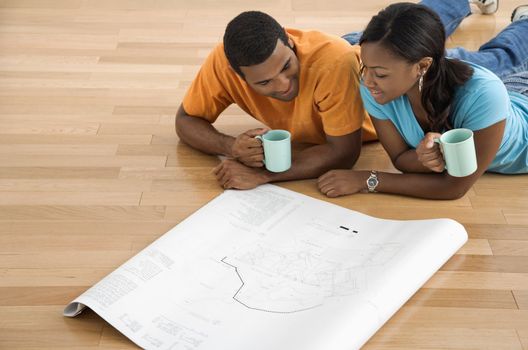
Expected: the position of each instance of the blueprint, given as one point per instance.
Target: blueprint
(267, 269)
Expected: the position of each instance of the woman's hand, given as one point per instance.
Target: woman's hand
(429, 153)
(337, 183)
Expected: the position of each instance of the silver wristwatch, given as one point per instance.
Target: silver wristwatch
(372, 181)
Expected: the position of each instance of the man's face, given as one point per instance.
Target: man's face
(276, 77)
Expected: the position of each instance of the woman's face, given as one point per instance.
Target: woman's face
(386, 75)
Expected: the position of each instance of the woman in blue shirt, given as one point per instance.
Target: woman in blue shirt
(413, 93)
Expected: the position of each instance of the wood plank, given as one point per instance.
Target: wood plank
(66, 260)
(476, 247)
(464, 298)
(49, 128)
(164, 176)
(39, 296)
(516, 216)
(53, 277)
(521, 297)
(478, 280)
(513, 201)
(509, 247)
(75, 185)
(503, 319)
(86, 161)
(45, 324)
(193, 159)
(78, 150)
(136, 129)
(98, 118)
(484, 263)
(191, 199)
(523, 337)
(58, 243)
(67, 227)
(498, 231)
(75, 139)
(443, 338)
(21, 172)
(82, 213)
(35, 4)
(46, 110)
(69, 198)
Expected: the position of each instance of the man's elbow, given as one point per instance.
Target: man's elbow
(346, 160)
(178, 126)
(181, 124)
(349, 161)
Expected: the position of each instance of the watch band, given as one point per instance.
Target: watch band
(372, 181)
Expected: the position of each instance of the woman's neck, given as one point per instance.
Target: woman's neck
(415, 99)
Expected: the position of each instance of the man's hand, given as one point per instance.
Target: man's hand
(247, 149)
(429, 153)
(232, 174)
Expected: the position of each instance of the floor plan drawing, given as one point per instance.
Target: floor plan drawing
(267, 269)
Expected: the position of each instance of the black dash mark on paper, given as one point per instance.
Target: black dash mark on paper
(346, 228)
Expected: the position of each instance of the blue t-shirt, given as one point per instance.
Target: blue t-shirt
(481, 102)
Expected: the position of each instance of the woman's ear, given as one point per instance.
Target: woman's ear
(424, 64)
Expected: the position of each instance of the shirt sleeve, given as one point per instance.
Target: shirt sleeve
(483, 106)
(337, 97)
(207, 96)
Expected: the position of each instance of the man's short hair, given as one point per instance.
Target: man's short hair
(250, 38)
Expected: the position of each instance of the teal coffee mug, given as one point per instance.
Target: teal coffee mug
(277, 150)
(458, 148)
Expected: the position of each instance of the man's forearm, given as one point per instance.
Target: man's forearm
(200, 134)
(313, 162)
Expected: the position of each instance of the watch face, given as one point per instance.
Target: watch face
(372, 182)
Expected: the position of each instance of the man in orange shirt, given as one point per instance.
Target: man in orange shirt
(305, 82)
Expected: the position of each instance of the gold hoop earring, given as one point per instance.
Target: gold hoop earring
(420, 82)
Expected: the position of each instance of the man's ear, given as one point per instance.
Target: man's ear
(290, 41)
(234, 71)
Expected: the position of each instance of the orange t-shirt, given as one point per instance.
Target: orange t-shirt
(328, 103)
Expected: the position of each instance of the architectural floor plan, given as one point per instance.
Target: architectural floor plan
(267, 269)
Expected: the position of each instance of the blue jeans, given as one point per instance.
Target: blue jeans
(505, 55)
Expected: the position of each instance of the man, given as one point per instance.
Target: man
(303, 82)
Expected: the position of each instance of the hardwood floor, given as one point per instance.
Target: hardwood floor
(91, 170)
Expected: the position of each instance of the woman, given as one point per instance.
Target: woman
(413, 93)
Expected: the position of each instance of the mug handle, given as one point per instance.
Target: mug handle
(437, 140)
(262, 141)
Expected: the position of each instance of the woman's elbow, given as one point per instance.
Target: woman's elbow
(455, 191)
(457, 194)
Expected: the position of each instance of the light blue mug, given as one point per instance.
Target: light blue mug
(277, 150)
(458, 148)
